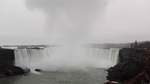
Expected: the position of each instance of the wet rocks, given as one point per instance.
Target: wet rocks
(38, 70)
(10, 70)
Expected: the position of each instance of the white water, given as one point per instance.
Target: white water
(104, 57)
(51, 58)
(31, 58)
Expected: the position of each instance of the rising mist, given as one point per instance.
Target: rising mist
(73, 23)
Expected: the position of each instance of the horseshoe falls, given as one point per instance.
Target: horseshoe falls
(54, 58)
(104, 58)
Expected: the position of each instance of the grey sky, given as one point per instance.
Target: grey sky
(93, 20)
(18, 24)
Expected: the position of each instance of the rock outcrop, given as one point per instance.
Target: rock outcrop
(131, 62)
(7, 56)
(133, 65)
(10, 70)
(7, 66)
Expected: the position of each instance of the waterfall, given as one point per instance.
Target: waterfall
(30, 58)
(21, 58)
(114, 55)
(46, 58)
(104, 58)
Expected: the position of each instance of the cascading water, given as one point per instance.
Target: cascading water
(31, 58)
(104, 58)
(51, 57)
(21, 58)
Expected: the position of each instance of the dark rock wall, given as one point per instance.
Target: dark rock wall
(131, 62)
(127, 54)
(7, 67)
(124, 71)
(7, 57)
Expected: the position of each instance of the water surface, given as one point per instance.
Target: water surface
(92, 76)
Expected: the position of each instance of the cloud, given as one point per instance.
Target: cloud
(69, 20)
(97, 20)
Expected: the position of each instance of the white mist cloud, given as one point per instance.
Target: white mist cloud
(96, 20)
(69, 23)
(99, 20)
(69, 20)
(72, 21)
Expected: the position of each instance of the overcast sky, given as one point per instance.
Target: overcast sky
(36, 21)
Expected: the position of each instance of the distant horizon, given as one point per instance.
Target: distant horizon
(39, 41)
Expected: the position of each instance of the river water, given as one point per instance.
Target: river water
(89, 76)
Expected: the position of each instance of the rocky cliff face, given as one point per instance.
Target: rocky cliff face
(7, 67)
(7, 56)
(131, 62)
(135, 54)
